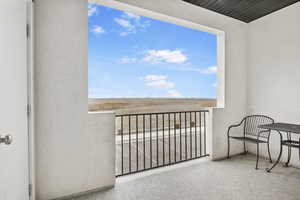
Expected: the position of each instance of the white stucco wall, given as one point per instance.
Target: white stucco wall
(74, 150)
(100, 151)
(274, 69)
(66, 136)
(235, 65)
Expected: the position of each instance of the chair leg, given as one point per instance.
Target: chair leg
(245, 151)
(269, 152)
(257, 156)
(228, 147)
(289, 151)
(289, 157)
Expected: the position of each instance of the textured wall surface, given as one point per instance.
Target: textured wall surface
(274, 70)
(73, 152)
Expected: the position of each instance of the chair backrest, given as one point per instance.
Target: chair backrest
(253, 121)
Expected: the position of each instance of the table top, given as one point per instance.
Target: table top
(285, 127)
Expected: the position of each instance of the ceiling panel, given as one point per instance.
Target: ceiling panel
(244, 10)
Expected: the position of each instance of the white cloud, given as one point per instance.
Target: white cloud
(161, 84)
(153, 77)
(97, 30)
(131, 23)
(127, 25)
(144, 24)
(130, 15)
(166, 55)
(124, 23)
(158, 81)
(127, 60)
(174, 94)
(209, 70)
(92, 10)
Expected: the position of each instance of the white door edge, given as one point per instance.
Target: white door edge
(30, 101)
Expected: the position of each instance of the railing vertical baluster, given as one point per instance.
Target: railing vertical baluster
(204, 133)
(129, 132)
(200, 132)
(191, 138)
(160, 134)
(122, 146)
(175, 153)
(195, 115)
(169, 137)
(150, 140)
(180, 142)
(163, 130)
(137, 141)
(157, 155)
(144, 142)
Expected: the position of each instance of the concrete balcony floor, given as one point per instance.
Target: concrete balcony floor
(233, 179)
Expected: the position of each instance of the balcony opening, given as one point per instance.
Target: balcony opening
(160, 75)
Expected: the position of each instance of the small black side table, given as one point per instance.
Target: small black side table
(288, 129)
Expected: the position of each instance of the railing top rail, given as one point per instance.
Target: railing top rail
(161, 113)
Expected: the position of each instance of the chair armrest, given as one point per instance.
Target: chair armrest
(234, 126)
(263, 131)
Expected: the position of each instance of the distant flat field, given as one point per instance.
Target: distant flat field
(129, 106)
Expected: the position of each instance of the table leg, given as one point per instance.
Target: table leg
(289, 137)
(279, 156)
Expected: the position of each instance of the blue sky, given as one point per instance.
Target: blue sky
(132, 56)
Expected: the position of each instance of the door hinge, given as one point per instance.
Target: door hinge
(28, 109)
(28, 30)
(30, 189)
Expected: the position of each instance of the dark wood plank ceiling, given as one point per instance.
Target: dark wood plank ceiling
(244, 10)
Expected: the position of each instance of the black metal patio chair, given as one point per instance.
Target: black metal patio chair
(251, 133)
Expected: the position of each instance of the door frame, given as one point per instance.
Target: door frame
(30, 97)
